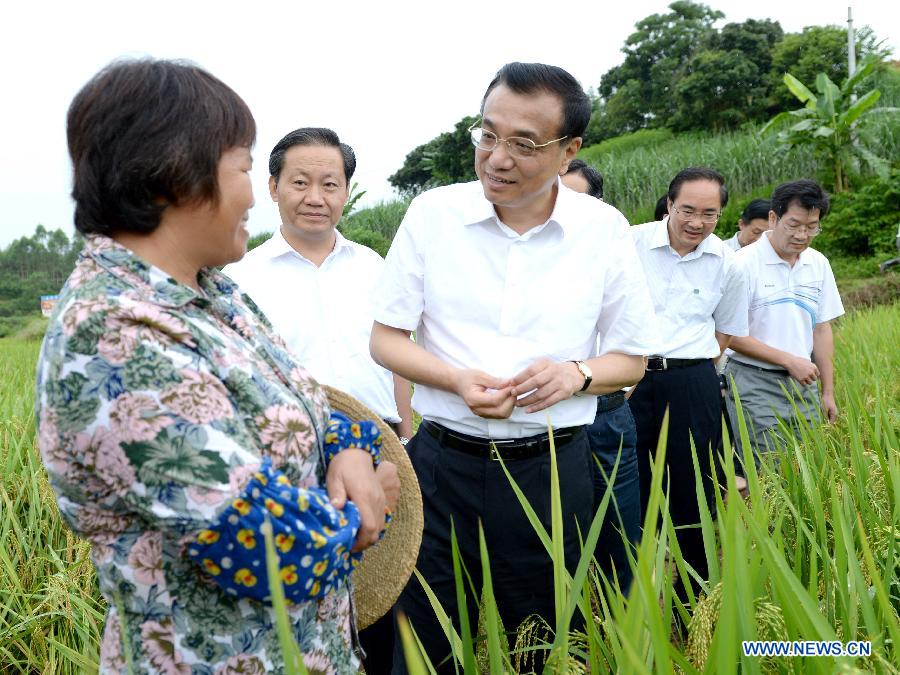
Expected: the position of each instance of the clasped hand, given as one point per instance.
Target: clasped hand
(351, 475)
(548, 382)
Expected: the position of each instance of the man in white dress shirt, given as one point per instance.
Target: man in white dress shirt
(315, 287)
(793, 299)
(700, 297)
(507, 282)
(753, 222)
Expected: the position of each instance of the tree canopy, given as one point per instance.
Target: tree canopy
(449, 158)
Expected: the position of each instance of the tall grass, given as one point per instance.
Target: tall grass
(814, 554)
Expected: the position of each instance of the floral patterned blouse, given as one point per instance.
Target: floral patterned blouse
(156, 405)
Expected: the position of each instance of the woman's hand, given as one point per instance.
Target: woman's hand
(351, 475)
(387, 475)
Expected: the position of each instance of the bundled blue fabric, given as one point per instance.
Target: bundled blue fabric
(312, 538)
(343, 434)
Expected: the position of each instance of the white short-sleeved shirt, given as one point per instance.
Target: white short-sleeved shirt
(732, 242)
(695, 295)
(787, 302)
(323, 313)
(481, 296)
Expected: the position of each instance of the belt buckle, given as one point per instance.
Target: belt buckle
(496, 445)
(662, 359)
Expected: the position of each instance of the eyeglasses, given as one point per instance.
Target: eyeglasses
(811, 230)
(518, 146)
(705, 217)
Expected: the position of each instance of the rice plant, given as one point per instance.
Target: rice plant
(51, 612)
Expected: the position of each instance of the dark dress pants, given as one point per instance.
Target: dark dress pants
(695, 409)
(610, 429)
(468, 490)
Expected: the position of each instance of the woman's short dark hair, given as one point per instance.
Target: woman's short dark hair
(808, 194)
(146, 134)
(526, 78)
(593, 177)
(758, 208)
(698, 173)
(311, 136)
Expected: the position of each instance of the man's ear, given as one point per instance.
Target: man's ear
(572, 148)
(772, 220)
(273, 188)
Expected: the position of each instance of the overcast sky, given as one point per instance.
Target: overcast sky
(387, 76)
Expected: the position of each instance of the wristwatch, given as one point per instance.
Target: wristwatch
(403, 440)
(586, 373)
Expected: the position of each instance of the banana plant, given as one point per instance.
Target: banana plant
(831, 121)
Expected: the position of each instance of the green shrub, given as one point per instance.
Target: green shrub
(374, 240)
(383, 218)
(864, 222)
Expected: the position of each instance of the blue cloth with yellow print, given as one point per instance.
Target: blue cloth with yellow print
(312, 538)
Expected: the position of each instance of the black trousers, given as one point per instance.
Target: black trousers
(694, 401)
(470, 490)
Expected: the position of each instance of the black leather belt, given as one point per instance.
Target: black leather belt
(508, 449)
(772, 371)
(611, 401)
(663, 363)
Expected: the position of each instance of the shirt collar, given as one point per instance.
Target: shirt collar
(149, 280)
(771, 257)
(479, 210)
(711, 244)
(277, 245)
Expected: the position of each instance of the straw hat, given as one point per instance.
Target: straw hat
(386, 566)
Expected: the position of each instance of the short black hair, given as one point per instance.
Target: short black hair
(146, 134)
(698, 173)
(807, 193)
(593, 177)
(527, 78)
(311, 136)
(758, 208)
(662, 208)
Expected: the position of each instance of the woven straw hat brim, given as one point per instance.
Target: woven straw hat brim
(385, 567)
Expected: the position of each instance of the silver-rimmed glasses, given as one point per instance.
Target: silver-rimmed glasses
(518, 145)
(705, 217)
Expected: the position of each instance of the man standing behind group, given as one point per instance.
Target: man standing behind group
(793, 299)
(507, 282)
(700, 297)
(753, 222)
(315, 287)
(612, 436)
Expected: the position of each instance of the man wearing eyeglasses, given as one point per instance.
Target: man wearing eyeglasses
(793, 299)
(700, 295)
(508, 281)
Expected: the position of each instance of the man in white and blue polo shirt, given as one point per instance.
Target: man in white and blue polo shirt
(793, 299)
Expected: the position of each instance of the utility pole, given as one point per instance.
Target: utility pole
(851, 49)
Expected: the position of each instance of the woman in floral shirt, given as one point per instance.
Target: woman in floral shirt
(165, 402)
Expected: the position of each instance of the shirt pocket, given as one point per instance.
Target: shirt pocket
(701, 303)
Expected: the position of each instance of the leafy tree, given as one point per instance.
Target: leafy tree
(622, 113)
(654, 55)
(829, 123)
(818, 49)
(753, 38)
(448, 158)
(34, 266)
(721, 90)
